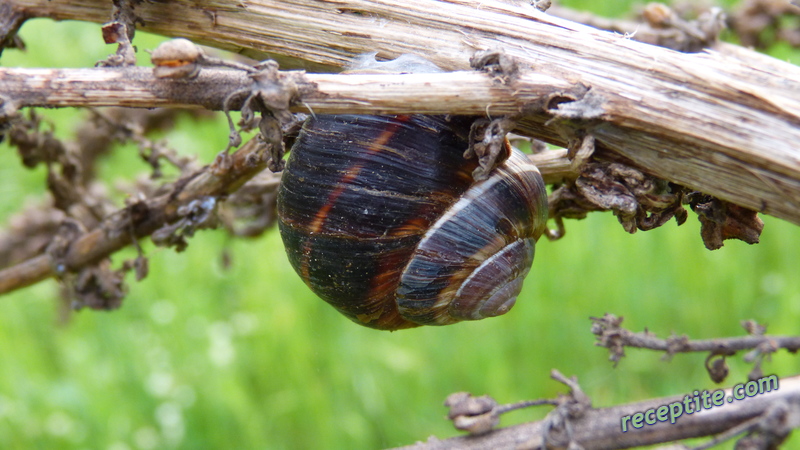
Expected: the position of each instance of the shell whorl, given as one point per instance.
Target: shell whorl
(470, 264)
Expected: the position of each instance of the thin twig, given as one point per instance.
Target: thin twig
(612, 336)
(609, 329)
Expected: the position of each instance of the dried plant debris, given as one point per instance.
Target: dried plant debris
(763, 23)
(124, 125)
(97, 287)
(79, 202)
(265, 105)
(684, 26)
(29, 232)
(120, 30)
(691, 26)
(643, 202)
(72, 165)
(34, 140)
(771, 428)
(36, 144)
(666, 28)
(487, 142)
(107, 126)
(251, 210)
(721, 220)
(169, 213)
(717, 367)
(68, 232)
(117, 33)
(558, 425)
(639, 201)
(123, 12)
(196, 215)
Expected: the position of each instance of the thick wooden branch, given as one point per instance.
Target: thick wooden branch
(724, 122)
(601, 428)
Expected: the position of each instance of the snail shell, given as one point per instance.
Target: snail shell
(381, 217)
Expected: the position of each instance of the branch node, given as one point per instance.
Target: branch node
(582, 104)
(557, 425)
(610, 335)
(676, 344)
(770, 428)
(577, 402)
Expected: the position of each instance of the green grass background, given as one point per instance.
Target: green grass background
(246, 357)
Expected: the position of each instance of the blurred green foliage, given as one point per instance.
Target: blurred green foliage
(246, 357)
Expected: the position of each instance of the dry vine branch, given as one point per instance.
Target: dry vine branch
(615, 338)
(723, 122)
(770, 416)
(453, 93)
(466, 92)
(30, 230)
(608, 329)
(767, 418)
(143, 218)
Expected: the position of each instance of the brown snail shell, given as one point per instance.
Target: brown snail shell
(381, 217)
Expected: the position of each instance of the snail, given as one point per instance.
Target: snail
(381, 217)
